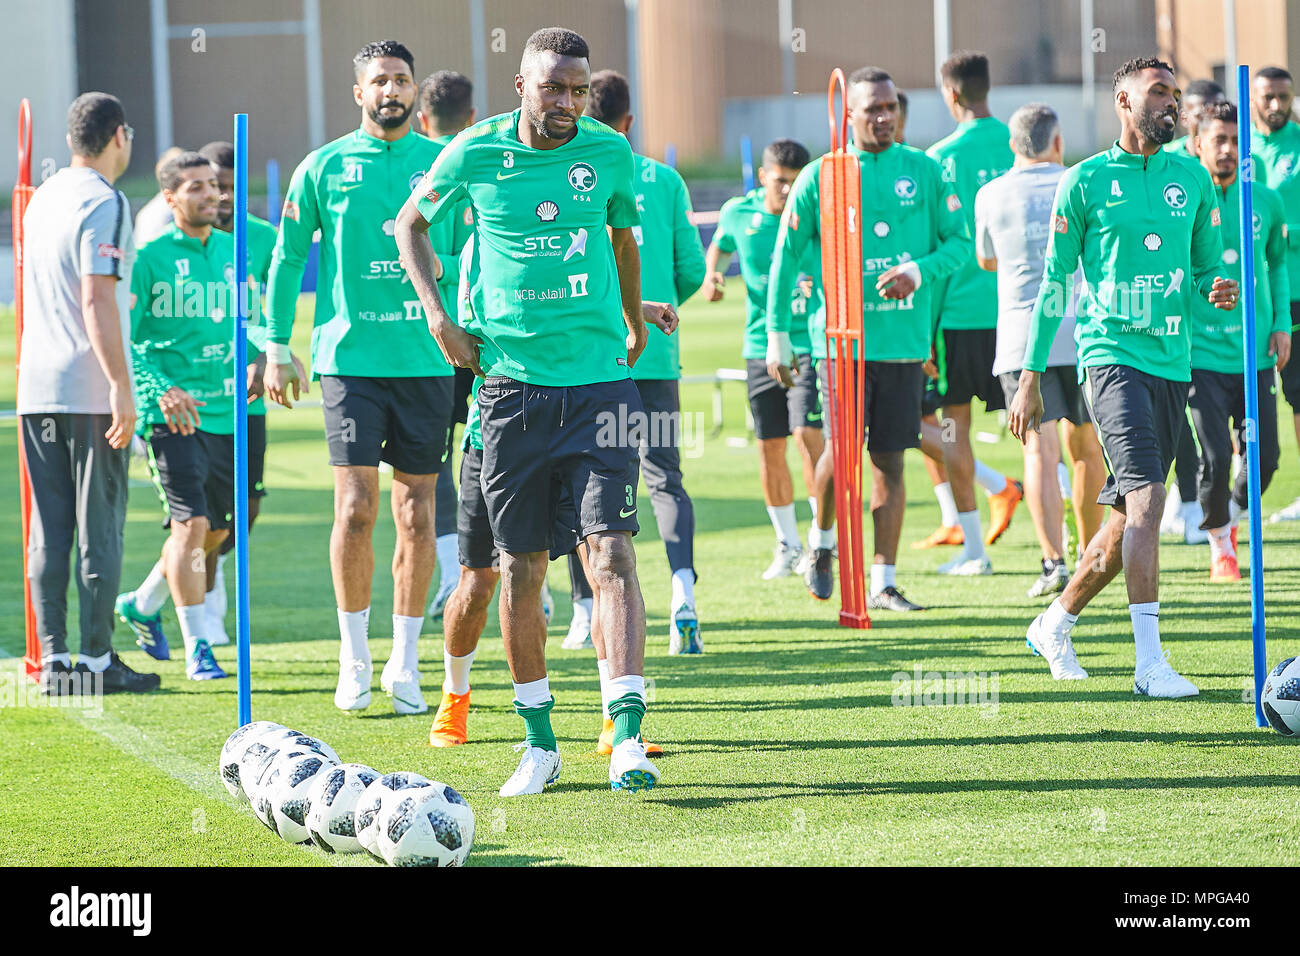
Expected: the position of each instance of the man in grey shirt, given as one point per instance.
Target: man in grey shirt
(1012, 226)
(75, 405)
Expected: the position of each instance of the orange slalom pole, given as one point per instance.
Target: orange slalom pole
(840, 213)
(21, 196)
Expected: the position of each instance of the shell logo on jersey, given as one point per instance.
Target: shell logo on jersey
(1230, 257)
(1176, 196)
(1152, 242)
(389, 227)
(582, 177)
(953, 203)
(1060, 224)
(289, 210)
(547, 211)
(905, 187)
(881, 228)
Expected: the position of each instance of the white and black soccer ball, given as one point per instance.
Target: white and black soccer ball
(426, 826)
(370, 806)
(1281, 697)
(285, 739)
(334, 795)
(233, 750)
(256, 773)
(287, 789)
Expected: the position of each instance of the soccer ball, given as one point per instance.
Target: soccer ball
(426, 826)
(334, 795)
(256, 770)
(370, 806)
(283, 739)
(236, 744)
(287, 789)
(1281, 700)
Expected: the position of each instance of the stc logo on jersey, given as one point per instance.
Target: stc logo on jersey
(549, 246)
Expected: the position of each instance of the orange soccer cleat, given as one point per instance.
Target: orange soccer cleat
(945, 535)
(1224, 568)
(450, 723)
(1001, 507)
(605, 746)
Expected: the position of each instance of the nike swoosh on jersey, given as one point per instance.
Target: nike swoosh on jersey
(627, 514)
(501, 175)
(1120, 203)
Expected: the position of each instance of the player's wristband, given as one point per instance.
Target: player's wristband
(912, 271)
(277, 354)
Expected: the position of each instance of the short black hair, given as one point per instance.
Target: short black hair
(1223, 112)
(608, 97)
(967, 72)
(902, 102)
(448, 97)
(219, 153)
(786, 153)
(1202, 90)
(559, 41)
(378, 49)
(869, 74)
(1272, 73)
(169, 173)
(1137, 65)
(93, 119)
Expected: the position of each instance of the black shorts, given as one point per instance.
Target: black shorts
(965, 361)
(559, 456)
(461, 391)
(474, 543)
(403, 421)
(778, 411)
(256, 456)
(930, 401)
(1062, 394)
(1139, 418)
(194, 474)
(892, 403)
(1291, 374)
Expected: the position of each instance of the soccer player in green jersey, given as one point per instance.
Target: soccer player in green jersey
(915, 234)
(1218, 391)
(182, 330)
(386, 387)
(557, 324)
(748, 226)
(1196, 100)
(1275, 147)
(1145, 223)
(965, 339)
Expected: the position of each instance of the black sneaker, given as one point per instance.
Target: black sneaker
(818, 577)
(891, 599)
(56, 680)
(116, 678)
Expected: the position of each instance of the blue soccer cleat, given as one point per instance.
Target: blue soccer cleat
(201, 665)
(684, 632)
(149, 634)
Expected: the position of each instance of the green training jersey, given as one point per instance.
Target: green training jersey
(976, 152)
(746, 227)
(1216, 335)
(261, 246)
(368, 320)
(1277, 161)
(672, 259)
(546, 288)
(183, 326)
(448, 237)
(909, 214)
(1140, 224)
(1182, 144)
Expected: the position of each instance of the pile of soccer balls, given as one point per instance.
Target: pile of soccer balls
(299, 789)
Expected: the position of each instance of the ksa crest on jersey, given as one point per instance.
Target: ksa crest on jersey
(415, 180)
(582, 177)
(905, 187)
(1175, 196)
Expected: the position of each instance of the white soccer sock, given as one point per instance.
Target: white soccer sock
(785, 525)
(97, 665)
(1063, 480)
(812, 504)
(353, 627)
(627, 684)
(683, 588)
(602, 668)
(192, 618)
(535, 693)
(213, 607)
(973, 546)
(1192, 514)
(1146, 633)
(65, 659)
(1235, 511)
(1057, 619)
(882, 576)
(947, 504)
(406, 642)
(987, 478)
(216, 598)
(448, 559)
(582, 613)
(456, 670)
(818, 538)
(153, 593)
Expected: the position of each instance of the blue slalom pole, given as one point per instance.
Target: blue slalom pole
(1245, 176)
(670, 155)
(273, 191)
(241, 419)
(747, 162)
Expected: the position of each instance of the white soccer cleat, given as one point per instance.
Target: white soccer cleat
(1171, 522)
(684, 632)
(629, 769)
(403, 686)
(537, 770)
(784, 560)
(967, 567)
(353, 692)
(579, 636)
(1290, 513)
(1161, 680)
(1050, 582)
(1192, 518)
(1057, 649)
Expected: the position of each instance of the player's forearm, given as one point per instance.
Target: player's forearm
(1049, 311)
(690, 266)
(627, 259)
(419, 260)
(283, 286)
(780, 290)
(955, 249)
(150, 383)
(1279, 286)
(104, 330)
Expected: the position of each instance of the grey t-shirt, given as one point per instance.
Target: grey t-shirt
(1012, 224)
(76, 225)
(153, 219)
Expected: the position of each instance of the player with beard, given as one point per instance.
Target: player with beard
(386, 387)
(1140, 218)
(1275, 145)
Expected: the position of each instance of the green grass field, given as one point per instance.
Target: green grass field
(783, 746)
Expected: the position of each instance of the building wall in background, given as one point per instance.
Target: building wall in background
(36, 62)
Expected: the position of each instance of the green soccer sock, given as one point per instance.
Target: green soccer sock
(627, 712)
(538, 722)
